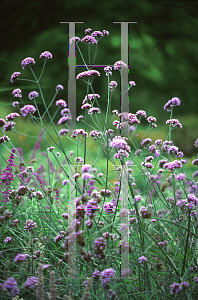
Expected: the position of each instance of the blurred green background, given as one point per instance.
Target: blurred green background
(163, 56)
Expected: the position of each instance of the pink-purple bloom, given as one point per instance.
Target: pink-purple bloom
(75, 39)
(142, 259)
(46, 54)
(17, 93)
(119, 65)
(88, 74)
(173, 102)
(27, 61)
(27, 110)
(20, 258)
(61, 102)
(12, 116)
(31, 283)
(174, 123)
(14, 76)
(89, 39)
(63, 132)
(59, 87)
(33, 95)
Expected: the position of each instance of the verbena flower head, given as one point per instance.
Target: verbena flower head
(142, 259)
(61, 102)
(88, 74)
(20, 258)
(119, 65)
(113, 85)
(33, 95)
(30, 225)
(79, 118)
(119, 143)
(17, 93)
(106, 275)
(8, 240)
(59, 87)
(75, 39)
(10, 286)
(196, 143)
(93, 110)
(2, 122)
(15, 103)
(175, 288)
(105, 32)
(9, 126)
(97, 33)
(12, 116)
(86, 168)
(91, 97)
(27, 110)
(31, 283)
(176, 164)
(88, 30)
(46, 54)
(132, 83)
(108, 70)
(27, 61)
(89, 39)
(63, 132)
(174, 123)
(173, 102)
(14, 76)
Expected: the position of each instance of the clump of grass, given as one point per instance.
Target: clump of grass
(131, 229)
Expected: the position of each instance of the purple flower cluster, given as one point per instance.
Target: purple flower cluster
(119, 65)
(89, 39)
(106, 275)
(33, 95)
(173, 102)
(20, 258)
(9, 126)
(11, 286)
(96, 274)
(174, 123)
(142, 259)
(12, 116)
(7, 176)
(31, 283)
(14, 76)
(176, 164)
(146, 142)
(27, 110)
(119, 143)
(17, 93)
(78, 132)
(27, 61)
(46, 54)
(74, 39)
(108, 70)
(97, 33)
(61, 102)
(93, 110)
(30, 225)
(88, 74)
(86, 168)
(8, 240)
(63, 132)
(109, 207)
(91, 210)
(175, 288)
(59, 87)
(99, 247)
(112, 85)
